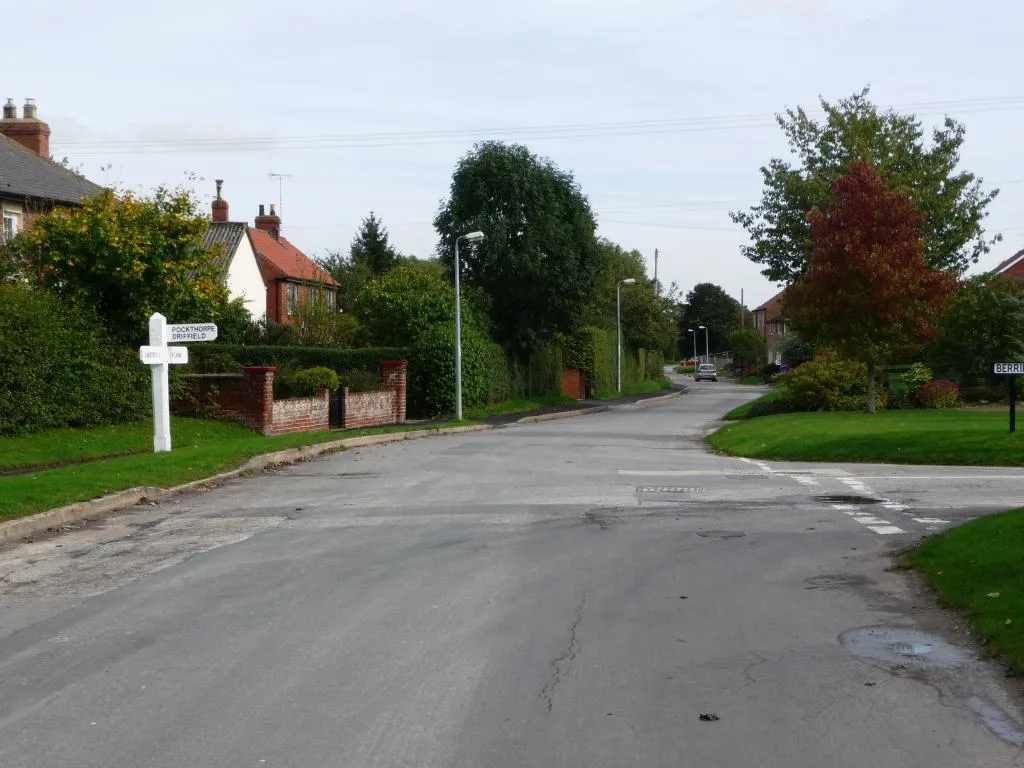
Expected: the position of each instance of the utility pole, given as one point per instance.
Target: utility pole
(742, 307)
(280, 188)
(656, 286)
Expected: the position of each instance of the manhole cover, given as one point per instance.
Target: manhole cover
(669, 489)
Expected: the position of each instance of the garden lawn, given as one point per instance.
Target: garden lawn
(200, 448)
(953, 437)
(978, 568)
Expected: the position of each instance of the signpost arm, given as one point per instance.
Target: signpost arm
(161, 387)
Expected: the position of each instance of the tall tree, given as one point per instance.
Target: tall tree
(125, 258)
(867, 291)
(540, 261)
(371, 246)
(709, 305)
(985, 323)
(952, 201)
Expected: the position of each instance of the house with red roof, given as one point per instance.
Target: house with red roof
(1013, 267)
(770, 321)
(272, 276)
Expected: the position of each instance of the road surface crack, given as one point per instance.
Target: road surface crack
(561, 665)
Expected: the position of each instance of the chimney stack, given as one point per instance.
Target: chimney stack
(220, 205)
(269, 222)
(29, 131)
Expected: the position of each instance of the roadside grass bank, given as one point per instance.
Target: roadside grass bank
(201, 448)
(640, 388)
(977, 568)
(518, 406)
(751, 409)
(944, 437)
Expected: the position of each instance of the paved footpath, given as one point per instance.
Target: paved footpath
(590, 592)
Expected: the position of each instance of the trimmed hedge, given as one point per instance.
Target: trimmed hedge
(57, 369)
(338, 360)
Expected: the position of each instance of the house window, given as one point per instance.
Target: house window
(11, 228)
(293, 298)
(330, 299)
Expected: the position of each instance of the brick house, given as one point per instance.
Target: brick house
(31, 184)
(261, 267)
(1013, 267)
(770, 321)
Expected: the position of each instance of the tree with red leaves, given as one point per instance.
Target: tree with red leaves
(867, 291)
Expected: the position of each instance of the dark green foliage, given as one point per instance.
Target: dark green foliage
(828, 383)
(57, 369)
(432, 370)
(749, 349)
(540, 261)
(708, 305)
(268, 334)
(795, 350)
(360, 381)
(904, 387)
(397, 307)
(338, 360)
(952, 201)
(371, 247)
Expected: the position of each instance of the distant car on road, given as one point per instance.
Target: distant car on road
(706, 372)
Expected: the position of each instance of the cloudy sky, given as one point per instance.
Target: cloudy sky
(662, 108)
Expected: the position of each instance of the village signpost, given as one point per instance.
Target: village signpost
(1013, 370)
(158, 356)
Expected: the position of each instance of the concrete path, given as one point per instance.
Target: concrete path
(594, 592)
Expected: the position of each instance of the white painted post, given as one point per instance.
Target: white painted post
(161, 387)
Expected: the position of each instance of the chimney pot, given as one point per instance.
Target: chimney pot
(270, 223)
(262, 211)
(220, 205)
(30, 109)
(10, 110)
(31, 132)
(272, 211)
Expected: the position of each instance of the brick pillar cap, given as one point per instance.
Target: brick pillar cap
(260, 368)
(395, 364)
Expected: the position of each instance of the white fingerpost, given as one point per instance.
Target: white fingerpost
(161, 387)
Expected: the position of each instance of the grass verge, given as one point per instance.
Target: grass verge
(201, 448)
(517, 406)
(640, 388)
(750, 380)
(744, 411)
(684, 370)
(978, 569)
(957, 437)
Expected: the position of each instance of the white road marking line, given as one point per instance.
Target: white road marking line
(930, 521)
(886, 530)
(895, 507)
(845, 506)
(870, 520)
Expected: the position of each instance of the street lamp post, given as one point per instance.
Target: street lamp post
(694, 332)
(618, 325)
(707, 344)
(469, 237)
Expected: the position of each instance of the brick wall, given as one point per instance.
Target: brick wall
(367, 409)
(300, 414)
(246, 397)
(574, 384)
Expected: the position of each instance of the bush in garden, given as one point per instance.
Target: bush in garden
(311, 380)
(906, 385)
(939, 393)
(829, 383)
(432, 368)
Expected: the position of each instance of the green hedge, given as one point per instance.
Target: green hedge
(432, 370)
(57, 369)
(338, 360)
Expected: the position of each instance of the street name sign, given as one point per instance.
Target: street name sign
(1008, 369)
(163, 355)
(191, 332)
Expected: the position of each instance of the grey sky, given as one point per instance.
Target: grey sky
(110, 73)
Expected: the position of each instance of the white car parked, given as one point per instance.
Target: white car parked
(706, 372)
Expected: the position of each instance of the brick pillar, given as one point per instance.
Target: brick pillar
(260, 397)
(394, 375)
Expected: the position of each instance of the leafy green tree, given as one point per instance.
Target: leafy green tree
(319, 324)
(398, 306)
(748, 348)
(540, 261)
(351, 277)
(708, 305)
(984, 324)
(647, 318)
(371, 247)
(867, 291)
(952, 201)
(125, 258)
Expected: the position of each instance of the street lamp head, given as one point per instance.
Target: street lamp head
(628, 281)
(702, 327)
(474, 237)
(691, 330)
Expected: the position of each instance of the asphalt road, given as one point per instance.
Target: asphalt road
(576, 593)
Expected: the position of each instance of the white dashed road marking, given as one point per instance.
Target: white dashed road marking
(886, 530)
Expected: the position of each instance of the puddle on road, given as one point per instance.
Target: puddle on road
(836, 581)
(899, 646)
(841, 499)
(997, 721)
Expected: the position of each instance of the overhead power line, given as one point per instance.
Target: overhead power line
(461, 136)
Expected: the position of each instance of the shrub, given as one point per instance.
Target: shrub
(939, 393)
(337, 359)
(311, 380)
(432, 370)
(58, 369)
(770, 371)
(360, 381)
(905, 386)
(401, 304)
(829, 383)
